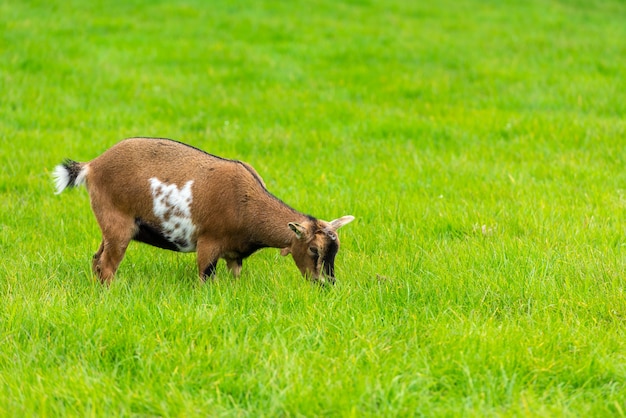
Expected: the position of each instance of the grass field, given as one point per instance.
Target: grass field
(480, 145)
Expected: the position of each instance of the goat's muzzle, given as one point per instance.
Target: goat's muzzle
(328, 273)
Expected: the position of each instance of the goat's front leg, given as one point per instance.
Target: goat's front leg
(208, 255)
(234, 265)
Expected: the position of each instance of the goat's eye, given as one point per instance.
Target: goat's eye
(313, 252)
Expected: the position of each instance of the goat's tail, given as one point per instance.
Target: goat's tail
(69, 174)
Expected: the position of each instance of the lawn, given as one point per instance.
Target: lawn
(479, 144)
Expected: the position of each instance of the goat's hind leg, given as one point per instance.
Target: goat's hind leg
(96, 257)
(117, 231)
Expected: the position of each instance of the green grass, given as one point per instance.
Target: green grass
(480, 144)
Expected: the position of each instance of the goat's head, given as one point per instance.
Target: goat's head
(314, 247)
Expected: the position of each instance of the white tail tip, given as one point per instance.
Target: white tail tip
(61, 178)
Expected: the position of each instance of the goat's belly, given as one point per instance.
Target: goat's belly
(175, 239)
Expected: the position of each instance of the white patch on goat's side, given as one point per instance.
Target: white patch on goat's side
(172, 206)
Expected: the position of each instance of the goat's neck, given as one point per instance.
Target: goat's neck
(271, 221)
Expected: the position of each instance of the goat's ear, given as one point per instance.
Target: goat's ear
(338, 223)
(298, 229)
(285, 251)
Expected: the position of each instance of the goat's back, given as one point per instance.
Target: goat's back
(127, 175)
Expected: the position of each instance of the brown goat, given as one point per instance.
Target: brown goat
(174, 196)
